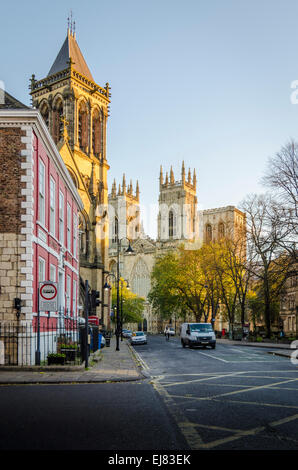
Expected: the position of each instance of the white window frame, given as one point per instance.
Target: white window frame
(74, 234)
(42, 192)
(68, 227)
(61, 217)
(68, 293)
(53, 273)
(74, 298)
(52, 206)
(41, 269)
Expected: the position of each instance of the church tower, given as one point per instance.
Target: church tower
(124, 216)
(177, 218)
(75, 109)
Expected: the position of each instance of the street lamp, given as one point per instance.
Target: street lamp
(121, 320)
(128, 251)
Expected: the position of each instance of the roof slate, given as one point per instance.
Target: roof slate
(70, 49)
(7, 101)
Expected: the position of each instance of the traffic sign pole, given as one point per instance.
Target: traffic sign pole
(86, 322)
(37, 352)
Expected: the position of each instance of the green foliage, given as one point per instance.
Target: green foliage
(69, 346)
(132, 304)
(56, 356)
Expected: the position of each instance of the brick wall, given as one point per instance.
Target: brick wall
(11, 210)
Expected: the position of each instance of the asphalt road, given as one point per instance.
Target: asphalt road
(105, 416)
(230, 398)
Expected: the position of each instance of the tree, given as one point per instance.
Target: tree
(269, 264)
(132, 304)
(281, 176)
(164, 295)
(182, 282)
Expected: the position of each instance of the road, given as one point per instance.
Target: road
(230, 398)
(233, 397)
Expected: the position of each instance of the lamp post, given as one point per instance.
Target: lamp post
(129, 251)
(121, 303)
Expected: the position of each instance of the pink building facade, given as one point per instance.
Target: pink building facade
(39, 213)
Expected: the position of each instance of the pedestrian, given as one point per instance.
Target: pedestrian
(167, 333)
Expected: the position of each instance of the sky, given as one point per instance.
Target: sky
(207, 82)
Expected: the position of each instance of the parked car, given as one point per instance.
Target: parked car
(171, 331)
(126, 333)
(197, 334)
(138, 337)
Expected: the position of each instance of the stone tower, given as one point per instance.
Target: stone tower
(124, 212)
(75, 109)
(177, 218)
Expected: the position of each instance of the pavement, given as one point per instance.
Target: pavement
(107, 365)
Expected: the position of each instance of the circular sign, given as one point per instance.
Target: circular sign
(48, 291)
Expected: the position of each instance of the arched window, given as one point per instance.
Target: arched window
(45, 114)
(57, 123)
(96, 134)
(221, 230)
(140, 279)
(172, 224)
(208, 233)
(83, 126)
(114, 230)
(113, 270)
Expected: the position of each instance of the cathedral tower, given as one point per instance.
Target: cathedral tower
(124, 215)
(75, 109)
(177, 218)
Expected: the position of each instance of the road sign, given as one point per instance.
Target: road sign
(48, 296)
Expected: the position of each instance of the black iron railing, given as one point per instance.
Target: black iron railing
(61, 341)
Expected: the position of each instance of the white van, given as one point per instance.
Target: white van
(197, 334)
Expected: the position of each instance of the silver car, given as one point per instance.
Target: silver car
(126, 333)
(138, 337)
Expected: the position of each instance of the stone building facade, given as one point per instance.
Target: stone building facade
(38, 235)
(75, 109)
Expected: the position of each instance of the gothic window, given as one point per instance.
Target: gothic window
(84, 235)
(45, 114)
(96, 134)
(83, 127)
(57, 123)
(114, 230)
(221, 230)
(140, 279)
(208, 233)
(172, 224)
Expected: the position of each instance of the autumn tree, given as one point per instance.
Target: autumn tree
(281, 176)
(132, 304)
(269, 264)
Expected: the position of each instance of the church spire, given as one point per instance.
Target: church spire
(70, 53)
(160, 176)
(137, 191)
(114, 189)
(124, 185)
(172, 179)
(189, 176)
(194, 178)
(183, 173)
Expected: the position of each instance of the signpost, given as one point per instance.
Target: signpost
(47, 301)
(48, 298)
